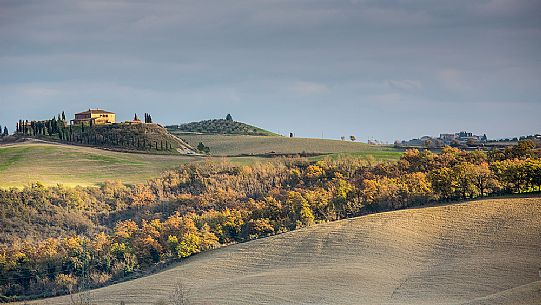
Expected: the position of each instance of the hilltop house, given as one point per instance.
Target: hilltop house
(96, 116)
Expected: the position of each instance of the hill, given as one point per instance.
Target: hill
(522, 295)
(127, 136)
(436, 255)
(228, 145)
(139, 137)
(55, 163)
(52, 164)
(220, 126)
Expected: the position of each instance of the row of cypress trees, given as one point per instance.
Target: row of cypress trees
(56, 125)
(86, 134)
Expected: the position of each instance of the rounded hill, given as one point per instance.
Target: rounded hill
(220, 126)
(140, 137)
(453, 254)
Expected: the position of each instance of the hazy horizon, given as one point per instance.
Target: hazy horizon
(374, 69)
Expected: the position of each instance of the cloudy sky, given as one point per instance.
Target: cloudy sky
(372, 68)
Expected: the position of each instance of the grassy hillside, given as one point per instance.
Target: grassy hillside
(437, 255)
(220, 126)
(245, 145)
(75, 165)
(51, 164)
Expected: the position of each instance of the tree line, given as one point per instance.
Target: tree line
(57, 126)
(59, 239)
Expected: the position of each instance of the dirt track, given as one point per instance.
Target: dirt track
(477, 253)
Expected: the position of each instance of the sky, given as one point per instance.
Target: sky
(376, 69)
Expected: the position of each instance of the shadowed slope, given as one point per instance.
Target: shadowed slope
(445, 255)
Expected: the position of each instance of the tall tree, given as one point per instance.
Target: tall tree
(135, 118)
(229, 117)
(6, 132)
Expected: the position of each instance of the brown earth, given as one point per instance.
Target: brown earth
(479, 252)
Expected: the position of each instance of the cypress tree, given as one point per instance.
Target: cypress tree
(63, 116)
(6, 132)
(53, 126)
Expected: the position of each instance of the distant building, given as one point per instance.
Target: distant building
(447, 137)
(464, 134)
(459, 138)
(96, 116)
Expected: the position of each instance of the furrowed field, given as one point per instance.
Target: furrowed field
(481, 252)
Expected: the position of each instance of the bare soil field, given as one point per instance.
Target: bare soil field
(478, 252)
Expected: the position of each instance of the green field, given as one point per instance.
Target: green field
(231, 145)
(52, 164)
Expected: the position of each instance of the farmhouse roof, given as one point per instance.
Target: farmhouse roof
(98, 111)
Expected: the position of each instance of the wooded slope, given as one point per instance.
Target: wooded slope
(435, 255)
